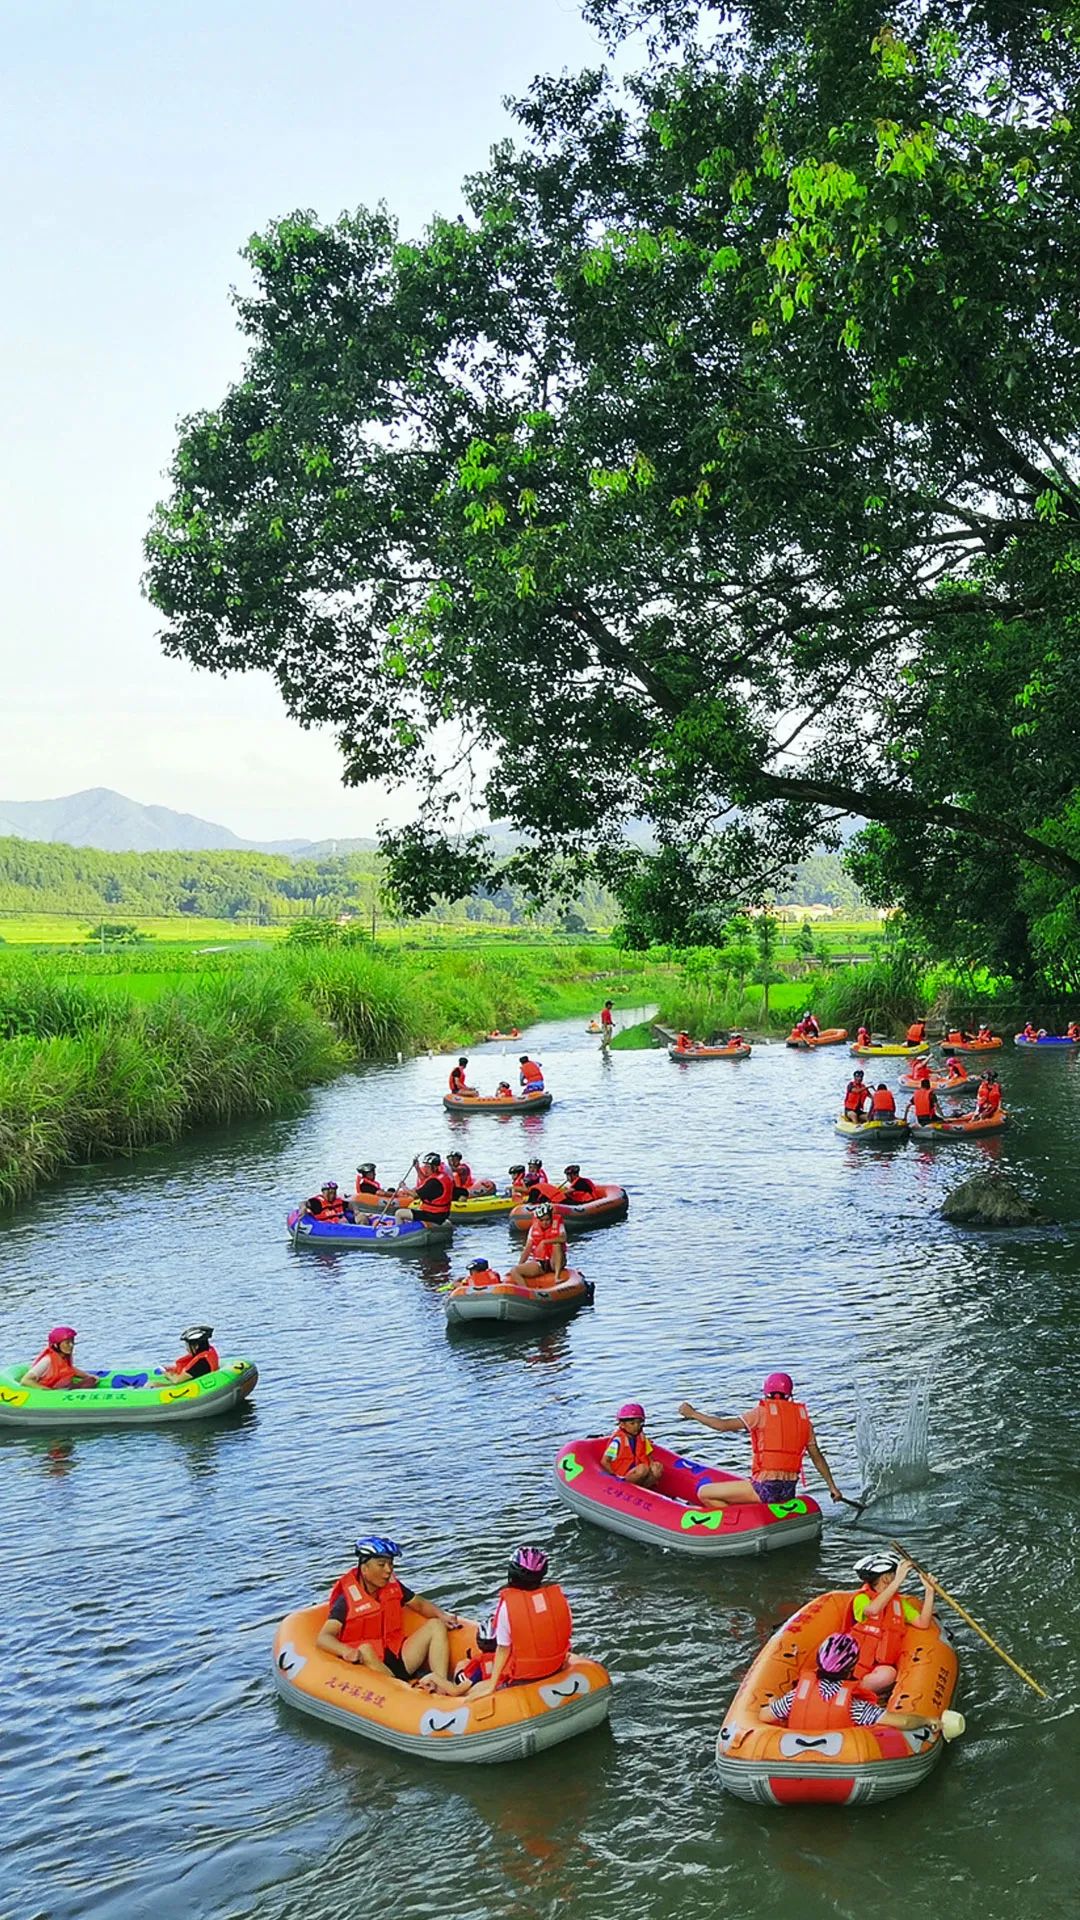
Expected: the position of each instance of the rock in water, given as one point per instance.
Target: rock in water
(988, 1200)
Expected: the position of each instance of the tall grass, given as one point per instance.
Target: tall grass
(90, 1072)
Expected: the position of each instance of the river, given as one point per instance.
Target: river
(150, 1769)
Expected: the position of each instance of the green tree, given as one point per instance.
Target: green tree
(691, 470)
(804, 940)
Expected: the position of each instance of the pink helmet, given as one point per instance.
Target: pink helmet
(837, 1654)
(632, 1411)
(530, 1560)
(778, 1383)
(56, 1334)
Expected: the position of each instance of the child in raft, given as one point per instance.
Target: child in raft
(628, 1454)
(531, 1626)
(879, 1615)
(830, 1697)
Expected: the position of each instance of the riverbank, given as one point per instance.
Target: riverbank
(96, 1064)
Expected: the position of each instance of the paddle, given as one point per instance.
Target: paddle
(965, 1615)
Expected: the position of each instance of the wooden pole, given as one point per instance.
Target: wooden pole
(965, 1615)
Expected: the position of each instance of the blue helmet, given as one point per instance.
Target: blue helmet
(375, 1546)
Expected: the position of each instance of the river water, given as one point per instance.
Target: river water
(149, 1768)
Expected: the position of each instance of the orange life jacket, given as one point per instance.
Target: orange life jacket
(633, 1452)
(485, 1278)
(925, 1104)
(463, 1177)
(441, 1206)
(862, 1038)
(778, 1444)
(367, 1189)
(540, 1627)
(955, 1038)
(990, 1098)
(683, 1043)
(856, 1096)
(810, 1709)
(372, 1619)
(883, 1101)
(916, 1033)
(955, 1070)
(532, 1075)
(543, 1237)
(880, 1636)
(187, 1360)
(1072, 1031)
(328, 1209)
(61, 1370)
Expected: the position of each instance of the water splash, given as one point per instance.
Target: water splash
(894, 1447)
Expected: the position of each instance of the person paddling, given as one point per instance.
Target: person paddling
(780, 1432)
(55, 1366)
(879, 1615)
(430, 1201)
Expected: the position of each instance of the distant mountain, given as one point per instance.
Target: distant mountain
(110, 821)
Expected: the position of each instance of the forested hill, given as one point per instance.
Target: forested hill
(40, 877)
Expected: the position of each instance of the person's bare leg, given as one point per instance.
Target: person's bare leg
(430, 1643)
(880, 1679)
(727, 1493)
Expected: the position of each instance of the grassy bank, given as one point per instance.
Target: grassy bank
(93, 1065)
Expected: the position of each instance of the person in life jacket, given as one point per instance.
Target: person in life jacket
(365, 1623)
(518, 1187)
(536, 1173)
(465, 1185)
(504, 1091)
(480, 1273)
(923, 1104)
(369, 1198)
(430, 1200)
(531, 1074)
(857, 1096)
(479, 1662)
(545, 1247)
(809, 1027)
(985, 1033)
(629, 1453)
(1032, 1032)
(683, 1042)
(862, 1038)
(55, 1367)
(988, 1099)
(882, 1104)
(780, 1432)
(879, 1615)
(607, 1020)
(459, 1080)
(200, 1359)
(578, 1188)
(954, 1067)
(829, 1699)
(327, 1204)
(916, 1033)
(532, 1625)
(1072, 1031)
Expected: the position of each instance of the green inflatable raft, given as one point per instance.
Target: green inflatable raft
(131, 1396)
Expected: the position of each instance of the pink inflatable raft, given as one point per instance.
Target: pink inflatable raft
(669, 1517)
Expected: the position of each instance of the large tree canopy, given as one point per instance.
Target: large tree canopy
(720, 468)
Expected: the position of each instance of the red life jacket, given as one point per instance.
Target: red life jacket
(440, 1206)
(187, 1360)
(543, 1237)
(61, 1370)
(880, 1637)
(810, 1709)
(778, 1444)
(862, 1038)
(540, 1627)
(856, 1096)
(990, 1098)
(580, 1190)
(463, 1177)
(367, 1189)
(916, 1033)
(372, 1619)
(607, 1018)
(325, 1209)
(883, 1102)
(531, 1075)
(925, 1104)
(633, 1452)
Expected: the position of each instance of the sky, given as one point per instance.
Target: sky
(141, 145)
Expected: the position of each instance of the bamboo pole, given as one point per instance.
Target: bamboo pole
(965, 1615)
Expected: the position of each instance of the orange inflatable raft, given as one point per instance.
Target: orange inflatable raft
(940, 1082)
(846, 1767)
(739, 1051)
(509, 1724)
(957, 1044)
(611, 1203)
(965, 1127)
(487, 1103)
(828, 1037)
(516, 1301)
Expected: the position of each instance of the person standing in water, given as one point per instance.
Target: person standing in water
(780, 1432)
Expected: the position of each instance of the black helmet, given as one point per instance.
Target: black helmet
(452, 1157)
(197, 1336)
(366, 1166)
(574, 1167)
(432, 1160)
(518, 1169)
